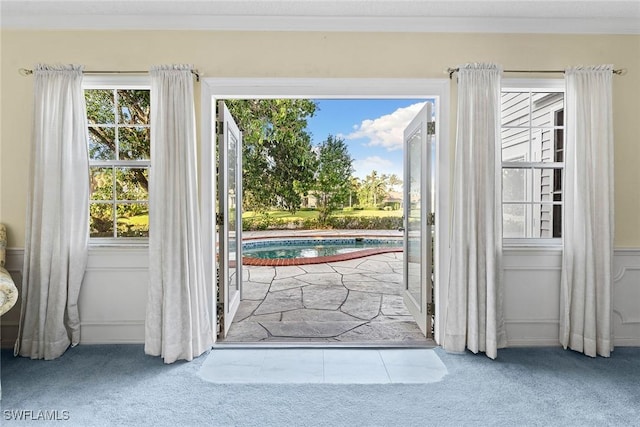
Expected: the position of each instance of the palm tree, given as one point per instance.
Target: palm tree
(374, 188)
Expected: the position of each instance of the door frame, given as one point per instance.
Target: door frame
(213, 88)
(230, 303)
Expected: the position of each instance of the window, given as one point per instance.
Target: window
(119, 161)
(532, 145)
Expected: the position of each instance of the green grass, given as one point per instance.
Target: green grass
(280, 216)
(137, 220)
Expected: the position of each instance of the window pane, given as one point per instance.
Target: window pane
(515, 144)
(101, 183)
(545, 185)
(132, 184)
(559, 141)
(557, 221)
(134, 143)
(513, 221)
(133, 220)
(515, 108)
(101, 220)
(544, 104)
(544, 221)
(133, 107)
(100, 106)
(557, 185)
(102, 143)
(514, 184)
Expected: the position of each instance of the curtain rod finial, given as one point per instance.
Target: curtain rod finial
(450, 71)
(25, 72)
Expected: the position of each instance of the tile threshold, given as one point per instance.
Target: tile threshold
(428, 344)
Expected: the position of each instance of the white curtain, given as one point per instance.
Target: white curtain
(177, 324)
(585, 299)
(474, 304)
(57, 228)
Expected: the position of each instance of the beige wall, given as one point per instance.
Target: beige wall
(287, 54)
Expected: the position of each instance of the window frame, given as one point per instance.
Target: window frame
(125, 82)
(532, 85)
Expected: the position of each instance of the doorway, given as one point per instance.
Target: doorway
(226, 299)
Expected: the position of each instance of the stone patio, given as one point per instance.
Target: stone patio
(358, 301)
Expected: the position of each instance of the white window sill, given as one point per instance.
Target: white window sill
(117, 243)
(536, 244)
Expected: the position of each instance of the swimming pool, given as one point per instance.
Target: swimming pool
(314, 251)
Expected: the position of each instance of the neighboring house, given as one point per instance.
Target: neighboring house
(393, 199)
(310, 201)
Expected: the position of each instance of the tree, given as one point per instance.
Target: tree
(374, 188)
(278, 160)
(354, 190)
(393, 181)
(333, 177)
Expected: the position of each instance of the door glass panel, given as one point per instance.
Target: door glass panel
(231, 213)
(414, 217)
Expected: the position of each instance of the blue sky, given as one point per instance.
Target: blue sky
(371, 128)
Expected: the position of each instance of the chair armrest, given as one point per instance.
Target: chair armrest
(8, 291)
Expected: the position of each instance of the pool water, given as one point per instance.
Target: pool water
(311, 248)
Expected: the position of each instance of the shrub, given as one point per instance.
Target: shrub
(266, 222)
(366, 223)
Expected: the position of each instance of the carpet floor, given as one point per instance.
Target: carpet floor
(117, 385)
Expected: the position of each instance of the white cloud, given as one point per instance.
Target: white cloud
(363, 167)
(386, 131)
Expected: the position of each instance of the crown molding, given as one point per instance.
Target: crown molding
(403, 24)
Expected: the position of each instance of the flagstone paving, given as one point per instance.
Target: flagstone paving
(354, 301)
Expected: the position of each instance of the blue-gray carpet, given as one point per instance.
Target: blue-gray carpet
(117, 385)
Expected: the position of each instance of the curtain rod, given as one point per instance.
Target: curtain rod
(27, 72)
(450, 71)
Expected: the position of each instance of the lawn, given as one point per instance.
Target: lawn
(370, 219)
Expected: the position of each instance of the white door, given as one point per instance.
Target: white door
(419, 205)
(229, 218)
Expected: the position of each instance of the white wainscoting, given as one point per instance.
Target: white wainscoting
(531, 295)
(113, 296)
(112, 299)
(626, 297)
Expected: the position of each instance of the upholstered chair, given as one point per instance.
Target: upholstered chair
(8, 290)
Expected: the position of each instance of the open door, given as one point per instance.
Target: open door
(229, 219)
(419, 205)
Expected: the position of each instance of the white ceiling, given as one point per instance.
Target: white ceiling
(573, 16)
